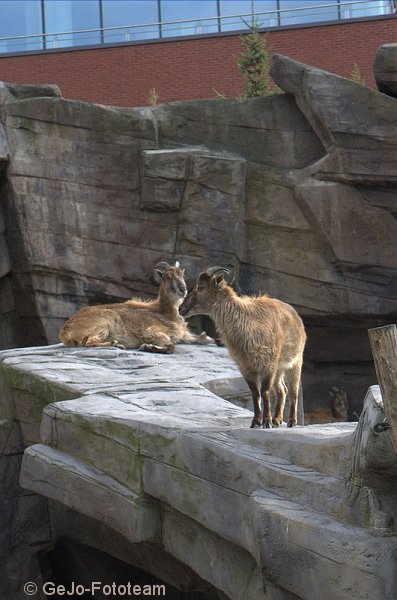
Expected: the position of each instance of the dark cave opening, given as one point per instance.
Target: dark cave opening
(80, 572)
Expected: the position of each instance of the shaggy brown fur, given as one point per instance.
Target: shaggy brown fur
(264, 336)
(150, 325)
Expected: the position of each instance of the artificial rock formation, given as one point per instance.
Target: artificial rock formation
(296, 192)
(138, 462)
(385, 69)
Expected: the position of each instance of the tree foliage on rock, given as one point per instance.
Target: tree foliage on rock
(254, 63)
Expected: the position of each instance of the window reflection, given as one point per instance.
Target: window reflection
(174, 10)
(67, 16)
(314, 14)
(117, 13)
(66, 22)
(20, 19)
(269, 16)
(366, 9)
(229, 9)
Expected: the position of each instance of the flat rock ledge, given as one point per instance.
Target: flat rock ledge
(145, 456)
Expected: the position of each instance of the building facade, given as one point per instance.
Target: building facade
(130, 53)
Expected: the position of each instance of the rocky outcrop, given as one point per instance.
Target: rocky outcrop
(385, 69)
(295, 192)
(132, 457)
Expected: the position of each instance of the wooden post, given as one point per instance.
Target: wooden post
(384, 349)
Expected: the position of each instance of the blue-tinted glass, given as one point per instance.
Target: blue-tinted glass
(138, 19)
(260, 13)
(312, 13)
(20, 19)
(366, 9)
(266, 13)
(67, 15)
(174, 10)
(230, 9)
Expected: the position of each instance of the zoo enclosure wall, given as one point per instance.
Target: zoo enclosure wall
(194, 68)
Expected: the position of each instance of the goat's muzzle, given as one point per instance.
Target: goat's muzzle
(185, 306)
(183, 310)
(182, 292)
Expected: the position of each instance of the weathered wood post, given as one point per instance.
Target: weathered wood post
(384, 349)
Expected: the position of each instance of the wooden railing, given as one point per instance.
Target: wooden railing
(384, 349)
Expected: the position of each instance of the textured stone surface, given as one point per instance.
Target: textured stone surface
(356, 125)
(385, 69)
(133, 454)
(296, 192)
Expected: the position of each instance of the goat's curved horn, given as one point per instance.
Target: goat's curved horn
(216, 271)
(162, 266)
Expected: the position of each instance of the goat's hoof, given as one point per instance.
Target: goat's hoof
(158, 349)
(255, 424)
(267, 424)
(277, 422)
(147, 348)
(121, 346)
(291, 423)
(203, 338)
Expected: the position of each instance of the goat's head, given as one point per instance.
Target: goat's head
(200, 300)
(173, 281)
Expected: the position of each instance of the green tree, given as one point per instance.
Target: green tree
(254, 64)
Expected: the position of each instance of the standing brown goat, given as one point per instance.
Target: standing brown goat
(264, 336)
(150, 325)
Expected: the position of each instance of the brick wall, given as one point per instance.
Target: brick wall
(191, 69)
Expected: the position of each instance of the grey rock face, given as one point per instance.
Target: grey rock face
(385, 69)
(133, 454)
(296, 192)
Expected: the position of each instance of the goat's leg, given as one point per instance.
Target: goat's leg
(96, 341)
(281, 393)
(194, 338)
(293, 378)
(167, 349)
(157, 341)
(256, 399)
(266, 388)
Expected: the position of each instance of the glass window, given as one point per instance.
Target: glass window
(138, 19)
(269, 16)
(313, 12)
(259, 13)
(366, 9)
(229, 10)
(68, 15)
(174, 10)
(20, 19)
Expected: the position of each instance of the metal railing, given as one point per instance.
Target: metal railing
(299, 15)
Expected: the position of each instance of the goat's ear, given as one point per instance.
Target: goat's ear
(158, 276)
(218, 273)
(218, 277)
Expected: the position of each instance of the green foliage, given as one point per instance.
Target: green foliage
(356, 75)
(254, 64)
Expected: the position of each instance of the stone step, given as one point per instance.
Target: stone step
(234, 457)
(321, 447)
(353, 562)
(257, 466)
(84, 488)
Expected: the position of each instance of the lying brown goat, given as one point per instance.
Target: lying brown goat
(150, 325)
(264, 336)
